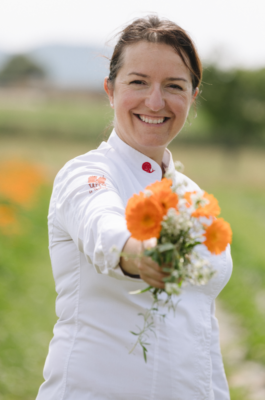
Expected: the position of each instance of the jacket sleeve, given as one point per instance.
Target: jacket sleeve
(90, 209)
(219, 382)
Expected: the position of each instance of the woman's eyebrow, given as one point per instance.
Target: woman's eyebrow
(139, 74)
(147, 76)
(177, 79)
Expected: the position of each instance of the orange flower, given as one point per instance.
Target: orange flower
(19, 181)
(8, 220)
(143, 216)
(218, 235)
(211, 209)
(156, 186)
(163, 194)
(187, 197)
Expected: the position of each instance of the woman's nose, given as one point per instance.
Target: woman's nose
(154, 101)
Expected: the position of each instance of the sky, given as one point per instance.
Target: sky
(229, 32)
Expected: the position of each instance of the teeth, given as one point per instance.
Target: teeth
(151, 120)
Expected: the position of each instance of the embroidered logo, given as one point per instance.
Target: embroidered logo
(147, 167)
(96, 183)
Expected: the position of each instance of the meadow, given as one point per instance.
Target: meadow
(27, 294)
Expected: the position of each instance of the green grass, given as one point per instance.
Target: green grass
(79, 120)
(61, 119)
(245, 210)
(27, 295)
(27, 310)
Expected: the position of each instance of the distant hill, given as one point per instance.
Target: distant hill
(3, 58)
(71, 66)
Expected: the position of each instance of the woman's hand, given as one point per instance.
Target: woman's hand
(148, 269)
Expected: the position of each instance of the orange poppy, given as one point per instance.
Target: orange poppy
(143, 216)
(218, 235)
(156, 186)
(211, 209)
(162, 192)
(8, 219)
(20, 181)
(187, 197)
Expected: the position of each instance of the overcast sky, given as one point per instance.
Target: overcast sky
(232, 31)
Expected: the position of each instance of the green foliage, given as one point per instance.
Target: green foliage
(20, 69)
(235, 103)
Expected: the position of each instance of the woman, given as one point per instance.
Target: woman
(155, 74)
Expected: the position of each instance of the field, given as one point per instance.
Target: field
(27, 294)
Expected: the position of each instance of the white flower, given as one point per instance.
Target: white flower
(198, 200)
(179, 166)
(182, 202)
(147, 193)
(172, 288)
(172, 212)
(169, 175)
(175, 274)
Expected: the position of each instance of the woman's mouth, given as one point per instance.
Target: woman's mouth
(151, 120)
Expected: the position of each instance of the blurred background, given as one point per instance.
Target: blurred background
(53, 59)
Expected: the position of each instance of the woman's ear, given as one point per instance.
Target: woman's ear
(109, 90)
(195, 94)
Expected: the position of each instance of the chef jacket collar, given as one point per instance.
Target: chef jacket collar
(144, 165)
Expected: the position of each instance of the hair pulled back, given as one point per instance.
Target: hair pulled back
(155, 30)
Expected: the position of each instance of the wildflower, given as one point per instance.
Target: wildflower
(172, 288)
(179, 166)
(217, 236)
(143, 216)
(210, 209)
(19, 181)
(187, 197)
(147, 193)
(163, 194)
(8, 219)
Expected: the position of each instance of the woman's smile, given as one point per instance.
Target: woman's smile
(151, 120)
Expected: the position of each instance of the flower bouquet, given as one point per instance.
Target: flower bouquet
(180, 221)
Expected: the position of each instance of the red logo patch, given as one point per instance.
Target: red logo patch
(96, 182)
(147, 167)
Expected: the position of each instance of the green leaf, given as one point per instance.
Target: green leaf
(141, 291)
(166, 269)
(149, 252)
(165, 247)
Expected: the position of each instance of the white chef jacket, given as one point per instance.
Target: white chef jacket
(89, 356)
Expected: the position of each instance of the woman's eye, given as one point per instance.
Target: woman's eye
(176, 87)
(137, 82)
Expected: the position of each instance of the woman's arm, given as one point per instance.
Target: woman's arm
(91, 215)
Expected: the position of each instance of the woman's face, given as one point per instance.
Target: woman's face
(151, 97)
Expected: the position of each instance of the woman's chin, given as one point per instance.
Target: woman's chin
(154, 142)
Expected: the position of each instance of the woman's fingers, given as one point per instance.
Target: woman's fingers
(156, 284)
(151, 273)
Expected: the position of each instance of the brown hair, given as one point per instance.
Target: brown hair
(155, 30)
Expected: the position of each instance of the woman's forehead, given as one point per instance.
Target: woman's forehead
(146, 57)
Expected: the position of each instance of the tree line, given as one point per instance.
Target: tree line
(233, 102)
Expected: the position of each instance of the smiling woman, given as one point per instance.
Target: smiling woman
(154, 78)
